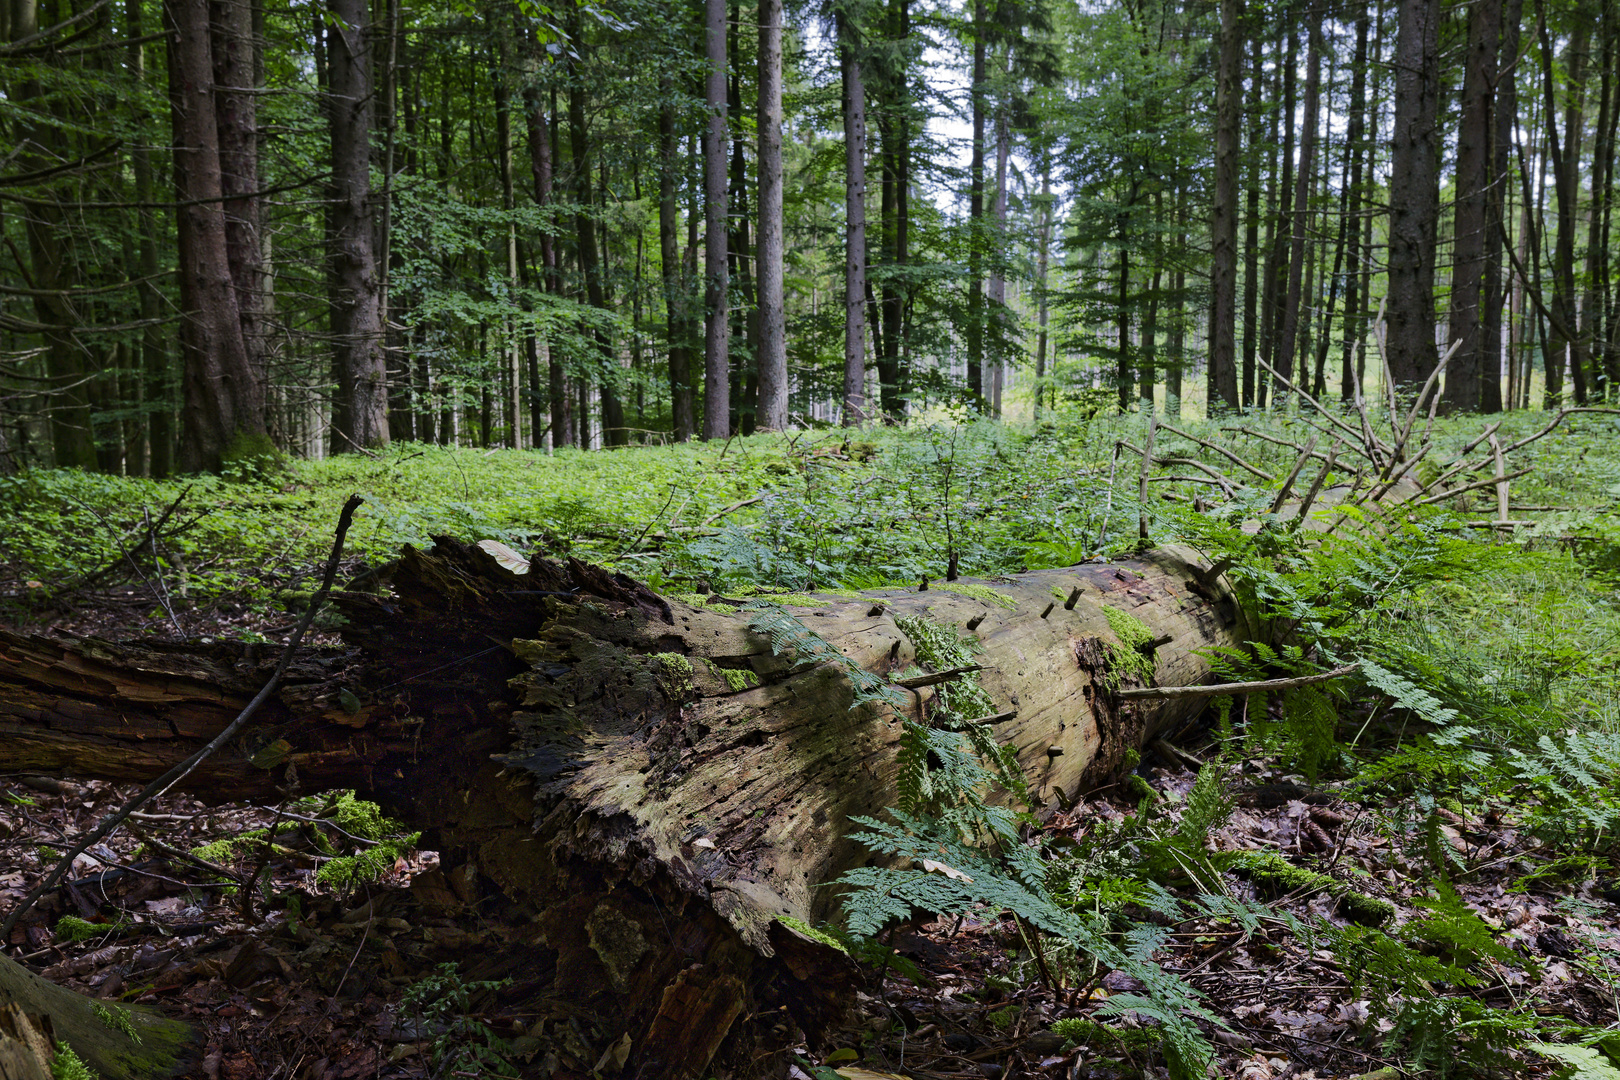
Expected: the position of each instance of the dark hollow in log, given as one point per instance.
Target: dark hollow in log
(648, 776)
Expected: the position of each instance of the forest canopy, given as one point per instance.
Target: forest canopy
(235, 231)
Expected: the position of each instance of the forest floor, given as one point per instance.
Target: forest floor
(1494, 851)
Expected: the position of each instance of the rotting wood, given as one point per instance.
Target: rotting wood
(574, 737)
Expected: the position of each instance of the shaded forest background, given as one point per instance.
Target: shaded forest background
(233, 230)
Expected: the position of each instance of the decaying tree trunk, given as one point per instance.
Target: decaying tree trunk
(659, 785)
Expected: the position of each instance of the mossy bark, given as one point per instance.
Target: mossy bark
(117, 1042)
(658, 785)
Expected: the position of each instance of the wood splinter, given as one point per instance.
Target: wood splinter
(917, 682)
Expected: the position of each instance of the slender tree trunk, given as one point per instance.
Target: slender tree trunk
(613, 433)
(996, 297)
(772, 411)
(357, 295)
(677, 291)
(1281, 197)
(975, 277)
(1251, 226)
(716, 343)
(1223, 375)
(1414, 195)
(157, 380)
(1043, 253)
(1122, 326)
(1357, 147)
(1565, 153)
(1593, 301)
(1289, 327)
(854, 108)
(1466, 370)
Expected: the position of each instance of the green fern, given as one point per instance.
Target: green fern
(790, 637)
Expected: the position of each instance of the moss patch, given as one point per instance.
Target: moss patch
(811, 932)
(982, 593)
(1274, 875)
(738, 679)
(1129, 657)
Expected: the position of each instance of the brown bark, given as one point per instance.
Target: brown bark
(598, 760)
(1467, 367)
(772, 410)
(222, 391)
(1414, 200)
(854, 110)
(1223, 374)
(357, 329)
(716, 340)
(1289, 325)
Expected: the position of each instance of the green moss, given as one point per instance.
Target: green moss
(115, 1018)
(738, 679)
(1274, 875)
(351, 871)
(1003, 1018)
(358, 817)
(811, 932)
(976, 592)
(1137, 788)
(66, 1065)
(677, 673)
(74, 928)
(1128, 655)
(1081, 1030)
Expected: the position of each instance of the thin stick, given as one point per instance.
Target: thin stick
(182, 770)
(1317, 405)
(1423, 395)
(1108, 503)
(1228, 689)
(1228, 485)
(917, 682)
(1439, 496)
(1502, 502)
(1288, 484)
(1142, 486)
(1321, 477)
(1221, 450)
(1290, 443)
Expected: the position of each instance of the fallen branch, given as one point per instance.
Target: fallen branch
(1160, 693)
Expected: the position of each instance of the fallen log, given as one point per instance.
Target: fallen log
(665, 791)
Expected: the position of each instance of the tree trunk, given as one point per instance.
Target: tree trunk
(854, 223)
(772, 410)
(1355, 299)
(1565, 153)
(632, 767)
(996, 295)
(980, 30)
(1289, 325)
(1281, 196)
(1414, 199)
(1251, 230)
(590, 259)
(716, 341)
(1223, 375)
(223, 393)
(677, 295)
(1043, 255)
(357, 293)
(1467, 367)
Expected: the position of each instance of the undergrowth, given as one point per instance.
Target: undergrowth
(1486, 664)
